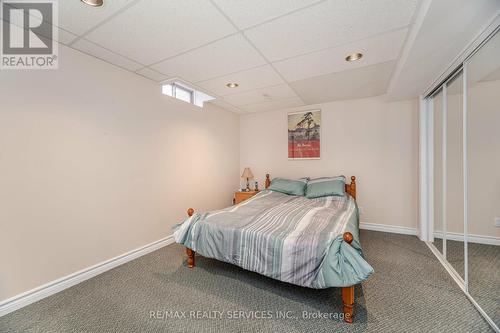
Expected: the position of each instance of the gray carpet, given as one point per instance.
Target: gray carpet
(409, 292)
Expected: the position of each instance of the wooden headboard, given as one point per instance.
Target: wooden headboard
(349, 188)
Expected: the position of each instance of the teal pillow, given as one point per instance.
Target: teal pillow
(326, 186)
(288, 186)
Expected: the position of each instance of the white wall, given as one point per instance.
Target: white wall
(374, 140)
(95, 162)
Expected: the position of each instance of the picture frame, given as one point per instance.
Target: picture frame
(304, 135)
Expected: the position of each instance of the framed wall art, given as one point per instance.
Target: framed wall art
(304, 135)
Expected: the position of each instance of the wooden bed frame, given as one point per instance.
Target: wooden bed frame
(347, 292)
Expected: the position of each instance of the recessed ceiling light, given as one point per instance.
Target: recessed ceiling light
(93, 3)
(354, 56)
(232, 85)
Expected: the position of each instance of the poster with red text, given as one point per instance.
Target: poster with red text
(304, 134)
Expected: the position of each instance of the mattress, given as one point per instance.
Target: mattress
(288, 238)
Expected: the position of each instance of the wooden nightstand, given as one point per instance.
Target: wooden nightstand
(242, 196)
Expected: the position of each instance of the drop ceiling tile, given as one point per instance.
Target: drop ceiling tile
(151, 74)
(381, 48)
(78, 18)
(65, 37)
(75, 18)
(254, 78)
(248, 13)
(262, 95)
(328, 24)
(106, 55)
(273, 105)
(153, 30)
(228, 55)
(226, 106)
(356, 83)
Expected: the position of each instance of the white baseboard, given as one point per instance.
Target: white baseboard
(388, 228)
(48, 289)
(471, 238)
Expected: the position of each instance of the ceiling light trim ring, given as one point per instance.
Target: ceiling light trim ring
(354, 56)
(93, 3)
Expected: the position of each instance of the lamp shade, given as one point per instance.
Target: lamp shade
(247, 173)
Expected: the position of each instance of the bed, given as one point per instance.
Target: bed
(307, 242)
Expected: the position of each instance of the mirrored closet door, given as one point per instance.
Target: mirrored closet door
(448, 172)
(438, 193)
(464, 123)
(483, 194)
(453, 202)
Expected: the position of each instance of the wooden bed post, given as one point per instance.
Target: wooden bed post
(348, 292)
(351, 188)
(268, 181)
(190, 253)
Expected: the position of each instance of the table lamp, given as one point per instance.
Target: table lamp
(247, 173)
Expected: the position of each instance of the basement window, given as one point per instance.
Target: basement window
(185, 93)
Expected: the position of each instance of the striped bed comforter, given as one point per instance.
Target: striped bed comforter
(289, 238)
